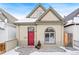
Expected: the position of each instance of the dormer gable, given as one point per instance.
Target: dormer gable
(50, 15)
(37, 12)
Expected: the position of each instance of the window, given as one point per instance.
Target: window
(37, 14)
(49, 35)
(49, 30)
(31, 29)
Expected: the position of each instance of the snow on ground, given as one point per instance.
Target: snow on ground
(23, 20)
(68, 52)
(49, 53)
(55, 53)
(11, 52)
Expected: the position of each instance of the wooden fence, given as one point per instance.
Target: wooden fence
(2, 48)
(68, 37)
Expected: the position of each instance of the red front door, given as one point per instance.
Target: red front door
(31, 38)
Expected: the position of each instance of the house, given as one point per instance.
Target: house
(72, 28)
(7, 31)
(41, 25)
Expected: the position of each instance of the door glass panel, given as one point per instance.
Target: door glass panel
(51, 34)
(51, 38)
(30, 29)
(46, 36)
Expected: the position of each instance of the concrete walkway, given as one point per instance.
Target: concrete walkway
(72, 49)
(51, 49)
(43, 51)
(69, 51)
(25, 50)
(29, 50)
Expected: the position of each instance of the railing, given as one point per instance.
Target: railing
(2, 48)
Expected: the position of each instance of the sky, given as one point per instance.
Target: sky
(21, 10)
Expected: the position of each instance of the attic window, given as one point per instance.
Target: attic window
(37, 14)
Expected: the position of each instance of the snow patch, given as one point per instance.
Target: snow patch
(23, 20)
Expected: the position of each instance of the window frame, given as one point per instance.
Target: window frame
(49, 32)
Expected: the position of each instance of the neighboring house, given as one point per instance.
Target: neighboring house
(7, 31)
(72, 27)
(41, 25)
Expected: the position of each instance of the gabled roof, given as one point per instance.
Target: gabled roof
(34, 21)
(72, 15)
(4, 15)
(53, 11)
(39, 5)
